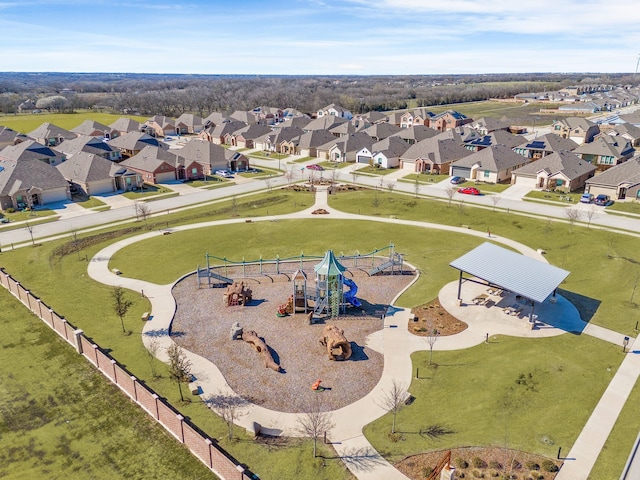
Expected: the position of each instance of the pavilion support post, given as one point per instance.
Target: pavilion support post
(460, 286)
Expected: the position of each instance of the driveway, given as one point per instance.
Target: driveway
(68, 209)
(115, 200)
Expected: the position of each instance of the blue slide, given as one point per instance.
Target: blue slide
(350, 296)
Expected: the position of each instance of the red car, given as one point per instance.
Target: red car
(315, 166)
(469, 191)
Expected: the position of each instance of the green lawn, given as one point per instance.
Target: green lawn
(474, 397)
(333, 165)
(563, 198)
(61, 419)
(302, 159)
(91, 202)
(27, 123)
(28, 215)
(423, 178)
(368, 170)
(211, 180)
(627, 207)
(148, 192)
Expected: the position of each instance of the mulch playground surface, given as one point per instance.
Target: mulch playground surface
(202, 325)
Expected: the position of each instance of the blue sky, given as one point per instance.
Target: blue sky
(320, 37)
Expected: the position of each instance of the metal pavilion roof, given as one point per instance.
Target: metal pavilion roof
(511, 271)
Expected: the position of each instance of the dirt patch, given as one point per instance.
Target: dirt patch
(476, 462)
(433, 315)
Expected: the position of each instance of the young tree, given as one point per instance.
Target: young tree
(432, 337)
(416, 186)
(393, 399)
(179, 366)
(354, 175)
(288, 174)
(591, 212)
(314, 422)
(30, 230)
(142, 211)
(269, 183)
(121, 304)
(75, 241)
(495, 199)
(152, 350)
(573, 215)
(229, 407)
(451, 191)
(390, 186)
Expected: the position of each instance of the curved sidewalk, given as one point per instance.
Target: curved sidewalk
(396, 344)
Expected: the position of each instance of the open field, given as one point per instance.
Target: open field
(25, 123)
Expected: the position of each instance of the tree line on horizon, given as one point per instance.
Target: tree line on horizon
(173, 94)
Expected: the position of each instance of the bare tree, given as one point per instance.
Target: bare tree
(288, 174)
(314, 422)
(229, 407)
(75, 241)
(29, 228)
(179, 366)
(451, 191)
(393, 399)
(432, 337)
(335, 175)
(354, 175)
(495, 199)
(390, 186)
(120, 304)
(269, 182)
(573, 215)
(152, 351)
(416, 186)
(590, 213)
(142, 211)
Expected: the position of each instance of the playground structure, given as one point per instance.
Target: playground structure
(252, 338)
(329, 297)
(237, 294)
(337, 345)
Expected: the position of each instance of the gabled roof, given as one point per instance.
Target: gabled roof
(511, 271)
(251, 132)
(49, 130)
(84, 143)
(22, 175)
(299, 122)
(549, 143)
(87, 167)
(566, 163)
(161, 120)
(606, 146)
(627, 130)
(453, 113)
(382, 130)
(28, 150)
(190, 120)
(150, 158)
(391, 147)
(576, 122)
(416, 133)
(490, 124)
(89, 126)
(354, 142)
(439, 151)
(206, 153)
(214, 117)
(325, 122)
(9, 136)
(224, 128)
(374, 117)
(496, 138)
(625, 173)
(347, 128)
(249, 118)
(494, 159)
(125, 125)
(136, 141)
(315, 139)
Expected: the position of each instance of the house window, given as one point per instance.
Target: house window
(128, 180)
(486, 173)
(559, 182)
(194, 171)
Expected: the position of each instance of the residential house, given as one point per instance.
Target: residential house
(30, 182)
(93, 129)
(89, 144)
(415, 134)
(563, 171)
(448, 120)
(245, 137)
(308, 143)
(9, 136)
(215, 118)
(621, 182)
(324, 123)
(159, 126)
(187, 123)
(269, 115)
(278, 140)
(157, 165)
(487, 125)
(95, 175)
(123, 125)
(581, 107)
(417, 116)
(497, 137)
(578, 129)
(334, 110)
(348, 128)
(347, 147)
(50, 135)
(627, 131)
(544, 145)
(433, 155)
(490, 165)
(373, 117)
(249, 118)
(395, 118)
(132, 143)
(297, 122)
(606, 151)
(380, 131)
(217, 134)
(212, 157)
(384, 153)
(31, 150)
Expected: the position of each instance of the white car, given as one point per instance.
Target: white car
(223, 174)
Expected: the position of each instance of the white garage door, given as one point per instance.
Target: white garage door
(165, 177)
(526, 181)
(56, 195)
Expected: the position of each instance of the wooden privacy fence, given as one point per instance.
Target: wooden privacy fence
(200, 445)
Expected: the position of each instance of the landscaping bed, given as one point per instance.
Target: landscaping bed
(433, 315)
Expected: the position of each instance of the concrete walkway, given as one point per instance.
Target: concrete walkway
(394, 341)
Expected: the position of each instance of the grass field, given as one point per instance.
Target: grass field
(60, 419)
(27, 123)
(474, 397)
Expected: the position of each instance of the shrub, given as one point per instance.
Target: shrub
(394, 437)
(10, 210)
(461, 463)
(531, 465)
(426, 471)
(478, 462)
(478, 474)
(495, 464)
(549, 466)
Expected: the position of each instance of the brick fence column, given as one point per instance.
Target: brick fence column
(181, 420)
(156, 413)
(135, 390)
(76, 335)
(210, 444)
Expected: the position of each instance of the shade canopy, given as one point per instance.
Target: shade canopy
(511, 271)
(329, 265)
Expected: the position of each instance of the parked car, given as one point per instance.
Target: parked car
(469, 191)
(603, 200)
(315, 166)
(586, 198)
(457, 180)
(223, 174)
